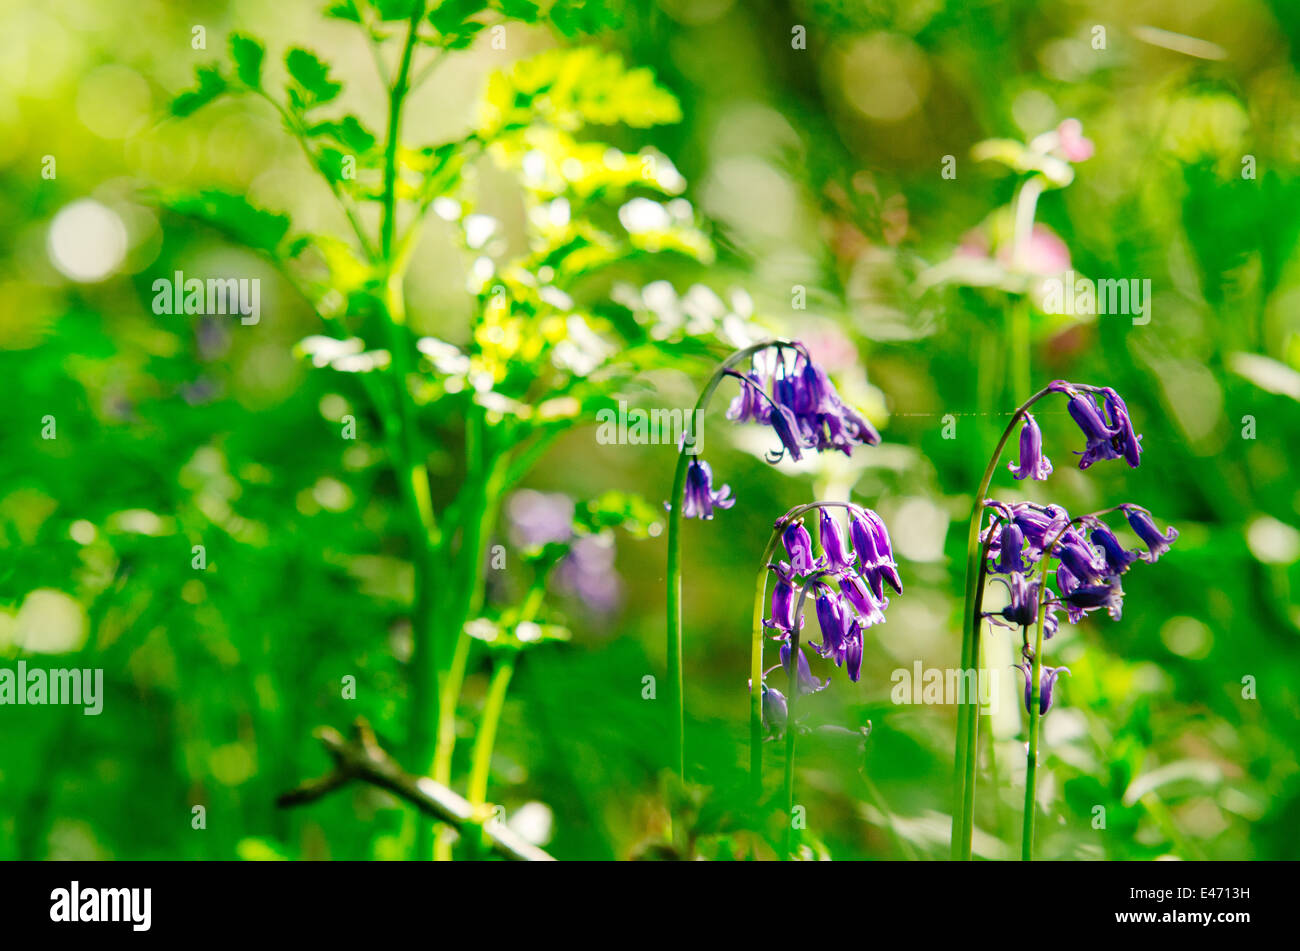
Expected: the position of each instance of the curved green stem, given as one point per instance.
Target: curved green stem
(690, 446)
(968, 713)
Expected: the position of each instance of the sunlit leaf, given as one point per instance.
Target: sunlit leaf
(247, 54)
(211, 85)
(258, 229)
(314, 87)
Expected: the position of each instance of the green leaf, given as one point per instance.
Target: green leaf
(348, 132)
(312, 77)
(452, 21)
(523, 10)
(572, 17)
(347, 10)
(254, 227)
(393, 9)
(211, 85)
(450, 15)
(247, 54)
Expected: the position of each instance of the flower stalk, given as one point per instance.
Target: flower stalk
(968, 711)
(688, 450)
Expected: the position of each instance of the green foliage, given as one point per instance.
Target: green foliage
(258, 229)
(211, 85)
(311, 85)
(247, 55)
(572, 88)
(549, 262)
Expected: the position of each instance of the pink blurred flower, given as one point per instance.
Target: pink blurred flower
(1074, 146)
(1044, 253)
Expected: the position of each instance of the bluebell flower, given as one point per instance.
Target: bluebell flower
(853, 652)
(749, 406)
(1083, 599)
(1118, 559)
(1080, 558)
(1145, 528)
(1038, 524)
(803, 407)
(701, 499)
(841, 585)
(798, 545)
(1033, 464)
(835, 620)
(876, 553)
(1011, 545)
(1100, 437)
(860, 596)
(1128, 444)
(1046, 681)
(839, 557)
(783, 600)
(1022, 608)
(1108, 437)
(786, 427)
(807, 682)
(775, 710)
(818, 391)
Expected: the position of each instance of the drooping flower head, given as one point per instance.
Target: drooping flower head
(701, 499)
(1089, 560)
(749, 406)
(1107, 429)
(1085, 598)
(870, 610)
(1022, 606)
(1046, 681)
(875, 552)
(839, 557)
(783, 600)
(798, 545)
(834, 618)
(1023, 540)
(846, 585)
(795, 397)
(1145, 528)
(1033, 464)
(1011, 550)
(1118, 559)
(807, 682)
(775, 710)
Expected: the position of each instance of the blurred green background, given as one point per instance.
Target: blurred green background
(817, 168)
